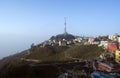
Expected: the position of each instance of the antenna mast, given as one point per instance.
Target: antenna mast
(65, 32)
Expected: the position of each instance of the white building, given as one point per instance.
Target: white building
(91, 40)
(113, 37)
(63, 43)
(119, 39)
(104, 44)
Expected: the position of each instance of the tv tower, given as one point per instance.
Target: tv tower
(65, 32)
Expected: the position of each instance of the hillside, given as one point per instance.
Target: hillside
(49, 53)
(14, 67)
(62, 53)
(84, 51)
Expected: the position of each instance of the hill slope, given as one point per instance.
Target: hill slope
(84, 51)
(14, 67)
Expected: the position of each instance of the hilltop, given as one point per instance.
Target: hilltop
(63, 36)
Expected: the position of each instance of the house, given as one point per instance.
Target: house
(77, 40)
(119, 41)
(113, 37)
(92, 40)
(63, 42)
(117, 56)
(108, 66)
(112, 46)
(104, 44)
(103, 38)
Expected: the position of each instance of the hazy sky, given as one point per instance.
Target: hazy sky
(23, 22)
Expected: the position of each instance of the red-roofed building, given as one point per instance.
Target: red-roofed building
(109, 66)
(113, 46)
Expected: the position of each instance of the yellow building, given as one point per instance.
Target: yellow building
(117, 56)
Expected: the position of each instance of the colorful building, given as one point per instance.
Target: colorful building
(112, 46)
(108, 66)
(117, 56)
(104, 67)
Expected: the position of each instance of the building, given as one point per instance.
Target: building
(117, 56)
(112, 46)
(113, 37)
(108, 66)
(119, 41)
(103, 38)
(77, 40)
(104, 44)
(104, 67)
(93, 41)
(63, 42)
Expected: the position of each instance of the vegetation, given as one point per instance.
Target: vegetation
(85, 51)
(47, 54)
(63, 53)
(14, 67)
